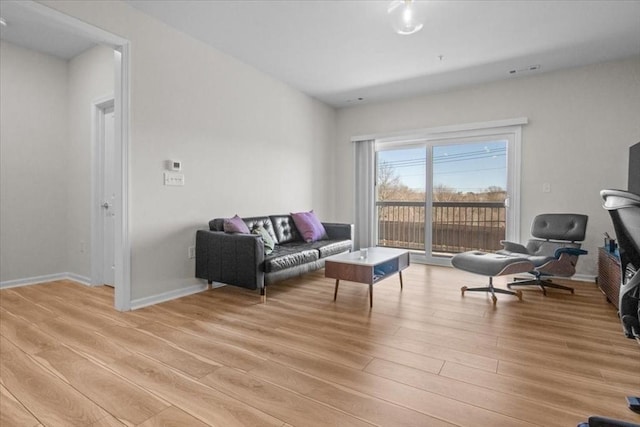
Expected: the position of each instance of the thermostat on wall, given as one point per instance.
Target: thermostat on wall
(174, 165)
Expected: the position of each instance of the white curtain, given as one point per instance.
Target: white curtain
(365, 193)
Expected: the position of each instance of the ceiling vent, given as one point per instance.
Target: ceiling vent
(529, 69)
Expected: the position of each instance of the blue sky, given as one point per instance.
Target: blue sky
(465, 167)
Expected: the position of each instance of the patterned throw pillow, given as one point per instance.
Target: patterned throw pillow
(269, 244)
(309, 226)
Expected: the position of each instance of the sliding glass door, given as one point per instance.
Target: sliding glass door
(444, 196)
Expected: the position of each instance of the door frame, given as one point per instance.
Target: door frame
(122, 107)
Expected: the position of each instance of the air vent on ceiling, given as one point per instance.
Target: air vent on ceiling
(529, 69)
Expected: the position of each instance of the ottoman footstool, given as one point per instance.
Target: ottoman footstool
(490, 264)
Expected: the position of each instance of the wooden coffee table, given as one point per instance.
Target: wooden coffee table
(379, 264)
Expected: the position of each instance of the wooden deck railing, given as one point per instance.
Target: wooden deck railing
(456, 226)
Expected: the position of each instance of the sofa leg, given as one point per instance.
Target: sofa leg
(263, 294)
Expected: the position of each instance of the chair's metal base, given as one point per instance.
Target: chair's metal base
(543, 284)
(492, 290)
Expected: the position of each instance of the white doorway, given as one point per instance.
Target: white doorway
(121, 106)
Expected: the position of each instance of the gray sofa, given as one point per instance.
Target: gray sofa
(240, 260)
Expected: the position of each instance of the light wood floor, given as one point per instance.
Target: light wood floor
(421, 357)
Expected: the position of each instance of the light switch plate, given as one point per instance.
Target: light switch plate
(172, 178)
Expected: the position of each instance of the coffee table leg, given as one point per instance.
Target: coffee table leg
(335, 292)
(370, 296)
(400, 273)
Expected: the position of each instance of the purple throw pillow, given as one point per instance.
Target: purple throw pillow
(235, 225)
(309, 226)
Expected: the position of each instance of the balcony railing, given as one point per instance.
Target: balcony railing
(456, 226)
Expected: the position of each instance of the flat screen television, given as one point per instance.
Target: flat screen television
(634, 169)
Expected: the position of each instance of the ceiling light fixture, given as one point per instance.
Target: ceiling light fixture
(404, 17)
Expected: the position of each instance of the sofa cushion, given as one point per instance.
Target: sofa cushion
(261, 221)
(285, 229)
(309, 226)
(331, 247)
(290, 255)
(235, 225)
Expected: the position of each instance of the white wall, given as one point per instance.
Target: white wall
(581, 123)
(91, 76)
(33, 160)
(249, 144)
(46, 160)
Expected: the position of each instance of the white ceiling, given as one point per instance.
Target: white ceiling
(32, 31)
(341, 50)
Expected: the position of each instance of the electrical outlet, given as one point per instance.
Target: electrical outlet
(546, 187)
(191, 253)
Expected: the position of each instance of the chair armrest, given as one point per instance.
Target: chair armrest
(338, 231)
(514, 247)
(569, 251)
(234, 259)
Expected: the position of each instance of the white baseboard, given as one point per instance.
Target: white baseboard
(80, 279)
(45, 278)
(167, 296)
(135, 304)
